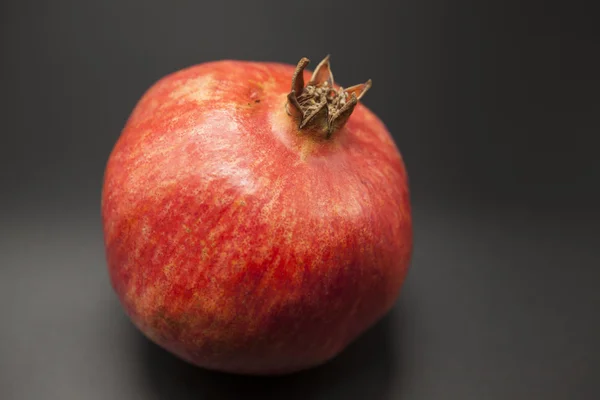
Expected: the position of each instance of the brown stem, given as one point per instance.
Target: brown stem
(319, 105)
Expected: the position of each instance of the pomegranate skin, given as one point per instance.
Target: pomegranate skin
(239, 242)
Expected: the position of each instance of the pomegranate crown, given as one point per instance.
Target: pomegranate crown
(319, 104)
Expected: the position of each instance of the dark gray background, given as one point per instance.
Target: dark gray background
(494, 105)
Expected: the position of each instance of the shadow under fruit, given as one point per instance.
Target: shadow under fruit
(253, 223)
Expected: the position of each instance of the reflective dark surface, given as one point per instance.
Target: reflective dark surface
(494, 106)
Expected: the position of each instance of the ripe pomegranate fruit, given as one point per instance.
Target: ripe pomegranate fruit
(252, 228)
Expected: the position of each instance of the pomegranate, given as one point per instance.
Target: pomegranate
(252, 228)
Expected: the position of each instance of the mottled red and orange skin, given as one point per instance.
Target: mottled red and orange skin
(241, 244)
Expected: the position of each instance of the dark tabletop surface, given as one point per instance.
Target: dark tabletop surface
(473, 322)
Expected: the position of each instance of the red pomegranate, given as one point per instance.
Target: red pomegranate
(252, 228)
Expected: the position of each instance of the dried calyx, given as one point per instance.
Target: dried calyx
(320, 105)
